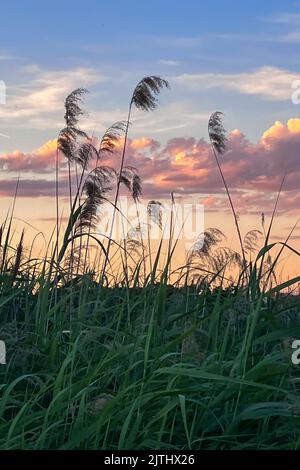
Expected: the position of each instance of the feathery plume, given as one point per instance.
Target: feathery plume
(145, 94)
(217, 133)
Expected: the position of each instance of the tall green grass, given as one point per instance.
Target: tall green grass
(147, 368)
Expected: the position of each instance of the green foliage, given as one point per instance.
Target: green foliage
(157, 367)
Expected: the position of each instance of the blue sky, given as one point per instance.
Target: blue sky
(215, 55)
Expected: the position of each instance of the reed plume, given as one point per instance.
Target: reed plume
(66, 143)
(145, 98)
(218, 138)
(98, 181)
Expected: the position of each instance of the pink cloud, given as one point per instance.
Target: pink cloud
(187, 167)
(41, 160)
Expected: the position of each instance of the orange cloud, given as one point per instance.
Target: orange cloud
(281, 131)
(48, 149)
(142, 143)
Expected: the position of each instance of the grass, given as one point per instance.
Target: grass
(138, 360)
(151, 368)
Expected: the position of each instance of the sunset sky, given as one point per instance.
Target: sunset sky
(240, 58)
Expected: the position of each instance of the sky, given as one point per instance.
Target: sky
(240, 58)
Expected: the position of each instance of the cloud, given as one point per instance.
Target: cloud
(291, 37)
(144, 143)
(28, 188)
(38, 103)
(285, 18)
(171, 63)
(254, 172)
(41, 160)
(184, 42)
(170, 117)
(186, 167)
(8, 57)
(268, 82)
(41, 98)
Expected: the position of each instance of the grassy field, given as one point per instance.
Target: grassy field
(140, 361)
(151, 368)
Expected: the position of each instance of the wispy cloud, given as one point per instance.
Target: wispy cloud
(284, 18)
(182, 42)
(171, 63)
(268, 82)
(260, 37)
(291, 37)
(4, 56)
(37, 102)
